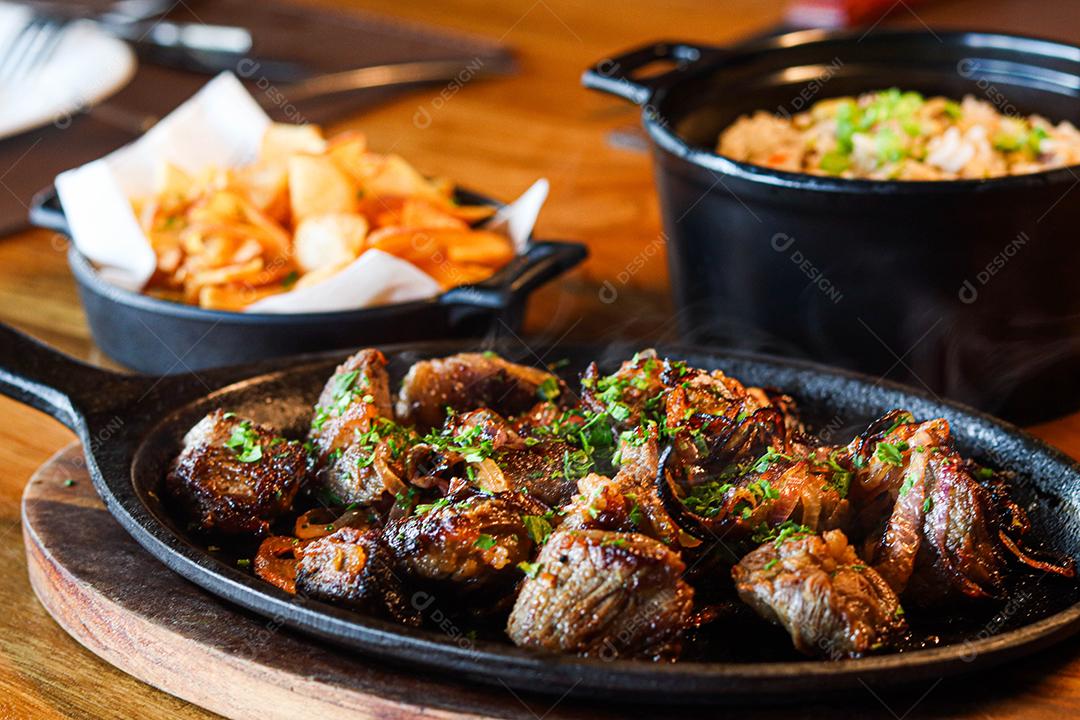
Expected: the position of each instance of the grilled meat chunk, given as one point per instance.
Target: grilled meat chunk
(818, 589)
(629, 394)
(473, 542)
(629, 502)
(468, 381)
(938, 541)
(372, 466)
(354, 568)
(359, 447)
(233, 476)
(769, 491)
(498, 459)
(603, 594)
(355, 395)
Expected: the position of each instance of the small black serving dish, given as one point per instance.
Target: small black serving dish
(965, 288)
(157, 336)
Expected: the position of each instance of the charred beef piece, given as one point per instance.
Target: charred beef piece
(773, 489)
(360, 450)
(937, 541)
(473, 542)
(935, 533)
(540, 471)
(354, 568)
(486, 447)
(233, 476)
(629, 502)
(717, 423)
(368, 470)
(816, 587)
(603, 594)
(628, 395)
(468, 381)
(355, 395)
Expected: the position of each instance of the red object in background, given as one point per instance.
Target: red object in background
(842, 13)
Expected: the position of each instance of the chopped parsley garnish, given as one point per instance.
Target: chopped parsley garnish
(891, 453)
(484, 542)
(549, 389)
(771, 456)
(244, 442)
(841, 476)
(909, 482)
(530, 569)
(771, 564)
(708, 498)
(405, 499)
(538, 528)
(787, 530)
(428, 507)
(610, 541)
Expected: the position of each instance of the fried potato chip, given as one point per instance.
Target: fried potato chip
(423, 214)
(479, 247)
(332, 239)
(317, 276)
(393, 175)
(451, 274)
(234, 297)
(318, 187)
(281, 141)
(308, 207)
(267, 188)
(171, 182)
(347, 150)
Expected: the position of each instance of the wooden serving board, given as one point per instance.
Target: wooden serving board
(123, 605)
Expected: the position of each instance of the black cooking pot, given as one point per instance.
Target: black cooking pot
(157, 336)
(963, 287)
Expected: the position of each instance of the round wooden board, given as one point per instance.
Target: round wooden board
(123, 605)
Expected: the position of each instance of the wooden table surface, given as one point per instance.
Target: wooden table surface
(496, 136)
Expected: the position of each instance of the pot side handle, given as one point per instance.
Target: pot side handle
(541, 262)
(43, 378)
(617, 75)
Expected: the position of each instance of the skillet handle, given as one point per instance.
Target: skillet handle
(43, 378)
(616, 75)
(541, 262)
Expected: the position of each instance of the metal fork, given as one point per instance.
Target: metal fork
(33, 46)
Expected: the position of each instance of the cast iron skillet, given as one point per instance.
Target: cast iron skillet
(131, 426)
(157, 336)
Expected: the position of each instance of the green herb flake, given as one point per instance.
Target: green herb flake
(891, 453)
(538, 528)
(549, 389)
(244, 442)
(530, 569)
(428, 507)
(484, 542)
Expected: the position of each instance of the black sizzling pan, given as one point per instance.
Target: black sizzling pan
(131, 426)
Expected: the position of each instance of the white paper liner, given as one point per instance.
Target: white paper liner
(223, 125)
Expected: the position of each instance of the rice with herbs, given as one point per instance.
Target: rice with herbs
(894, 135)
